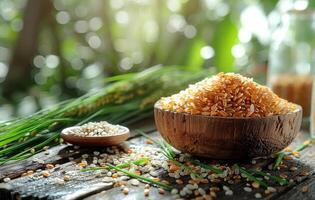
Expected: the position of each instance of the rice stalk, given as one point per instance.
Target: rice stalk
(125, 99)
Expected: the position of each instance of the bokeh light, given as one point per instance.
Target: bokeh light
(63, 17)
(207, 52)
(85, 41)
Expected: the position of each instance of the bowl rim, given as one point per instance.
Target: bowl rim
(65, 133)
(299, 109)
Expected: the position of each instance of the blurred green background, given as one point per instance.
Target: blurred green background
(51, 50)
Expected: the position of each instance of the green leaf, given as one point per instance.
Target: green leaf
(269, 5)
(302, 146)
(133, 175)
(194, 59)
(205, 166)
(225, 37)
(140, 162)
(280, 156)
(311, 4)
(250, 176)
(280, 180)
(69, 48)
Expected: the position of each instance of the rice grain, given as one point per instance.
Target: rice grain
(227, 95)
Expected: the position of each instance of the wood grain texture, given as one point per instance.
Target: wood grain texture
(83, 187)
(58, 154)
(227, 138)
(94, 140)
(298, 193)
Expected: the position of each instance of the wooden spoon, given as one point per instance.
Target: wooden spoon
(227, 138)
(68, 136)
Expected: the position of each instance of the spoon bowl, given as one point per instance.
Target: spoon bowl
(68, 135)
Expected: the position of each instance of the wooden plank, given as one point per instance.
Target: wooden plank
(306, 163)
(135, 193)
(239, 192)
(299, 193)
(58, 154)
(90, 185)
(81, 184)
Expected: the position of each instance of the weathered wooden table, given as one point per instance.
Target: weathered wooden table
(91, 187)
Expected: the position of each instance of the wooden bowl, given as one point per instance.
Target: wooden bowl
(94, 140)
(227, 138)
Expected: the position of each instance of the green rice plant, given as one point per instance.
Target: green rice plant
(125, 99)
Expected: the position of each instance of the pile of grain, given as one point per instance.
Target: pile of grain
(227, 95)
(97, 129)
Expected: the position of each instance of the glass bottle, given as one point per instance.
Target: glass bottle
(292, 59)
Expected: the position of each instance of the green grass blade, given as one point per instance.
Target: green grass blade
(251, 177)
(142, 178)
(139, 162)
(205, 166)
(278, 161)
(280, 180)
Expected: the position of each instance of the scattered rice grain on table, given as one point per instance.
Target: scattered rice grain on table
(227, 95)
(182, 184)
(186, 186)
